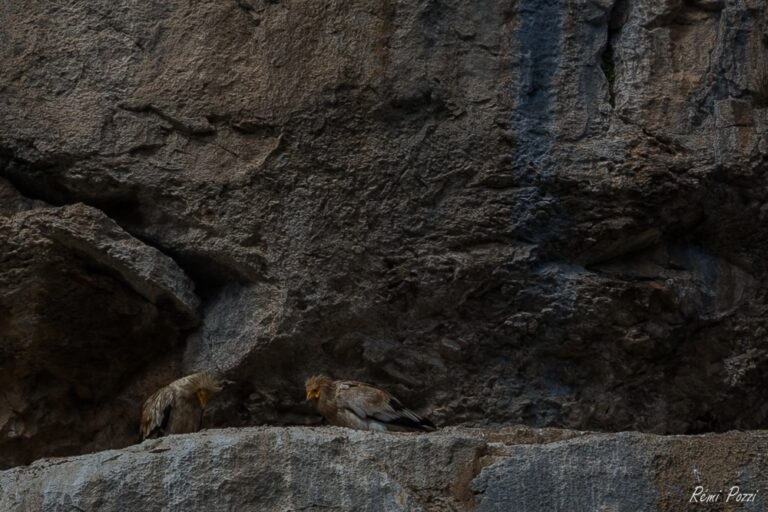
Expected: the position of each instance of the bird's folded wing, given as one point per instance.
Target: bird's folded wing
(156, 412)
(369, 402)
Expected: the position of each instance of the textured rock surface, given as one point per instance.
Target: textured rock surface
(540, 211)
(627, 472)
(294, 468)
(85, 309)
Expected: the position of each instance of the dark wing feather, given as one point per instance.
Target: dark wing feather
(407, 418)
(166, 417)
(156, 413)
(368, 402)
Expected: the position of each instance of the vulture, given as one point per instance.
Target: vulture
(348, 403)
(178, 407)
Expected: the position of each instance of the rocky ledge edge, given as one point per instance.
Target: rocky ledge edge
(327, 468)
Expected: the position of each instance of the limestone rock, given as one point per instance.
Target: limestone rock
(278, 469)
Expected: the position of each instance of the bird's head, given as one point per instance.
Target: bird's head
(205, 387)
(317, 385)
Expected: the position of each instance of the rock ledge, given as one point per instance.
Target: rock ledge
(296, 468)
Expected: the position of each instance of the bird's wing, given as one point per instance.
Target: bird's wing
(368, 402)
(156, 412)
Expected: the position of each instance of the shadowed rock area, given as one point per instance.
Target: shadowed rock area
(545, 213)
(276, 469)
(87, 312)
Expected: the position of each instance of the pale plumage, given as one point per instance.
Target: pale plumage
(178, 407)
(353, 404)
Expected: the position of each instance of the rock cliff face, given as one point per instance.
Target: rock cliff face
(293, 468)
(538, 212)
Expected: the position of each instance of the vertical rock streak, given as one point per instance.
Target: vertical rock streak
(539, 40)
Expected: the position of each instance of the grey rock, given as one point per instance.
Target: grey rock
(627, 472)
(90, 233)
(280, 469)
